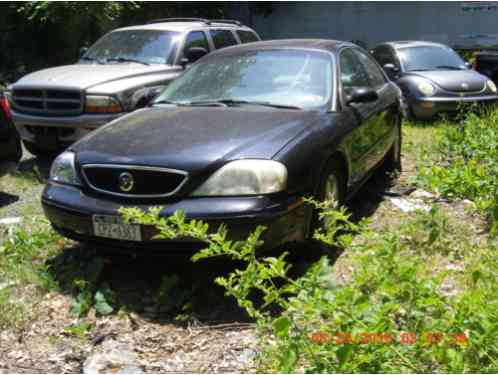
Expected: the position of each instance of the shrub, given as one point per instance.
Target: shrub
(468, 165)
(392, 315)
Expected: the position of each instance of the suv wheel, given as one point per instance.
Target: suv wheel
(38, 151)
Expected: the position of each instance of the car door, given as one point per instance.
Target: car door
(387, 107)
(362, 141)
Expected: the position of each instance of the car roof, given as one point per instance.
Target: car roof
(184, 26)
(315, 44)
(412, 43)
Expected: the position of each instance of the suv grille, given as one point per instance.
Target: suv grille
(134, 181)
(48, 101)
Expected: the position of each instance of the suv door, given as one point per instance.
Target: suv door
(363, 140)
(222, 38)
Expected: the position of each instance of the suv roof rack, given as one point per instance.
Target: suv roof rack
(186, 19)
(234, 22)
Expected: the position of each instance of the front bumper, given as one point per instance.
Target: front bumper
(70, 211)
(427, 108)
(68, 128)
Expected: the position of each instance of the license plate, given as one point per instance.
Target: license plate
(113, 227)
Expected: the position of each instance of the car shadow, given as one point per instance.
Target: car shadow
(7, 199)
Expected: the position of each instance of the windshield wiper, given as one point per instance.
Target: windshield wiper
(166, 102)
(86, 58)
(124, 59)
(450, 67)
(229, 102)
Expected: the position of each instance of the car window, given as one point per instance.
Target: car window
(222, 38)
(353, 73)
(247, 36)
(430, 58)
(375, 75)
(147, 46)
(282, 77)
(196, 39)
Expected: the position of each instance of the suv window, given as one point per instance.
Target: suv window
(222, 38)
(196, 39)
(374, 72)
(247, 36)
(353, 73)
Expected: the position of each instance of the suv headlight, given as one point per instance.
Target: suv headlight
(63, 170)
(102, 104)
(491, 86)
(426, 88)
(245, 177)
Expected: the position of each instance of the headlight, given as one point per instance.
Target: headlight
(426, 89)
(63, 171)
(102, 104)
(246, 177)
(491, 86)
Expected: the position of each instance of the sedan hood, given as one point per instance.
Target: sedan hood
(84, 76)
(193, 138)
(454, 80)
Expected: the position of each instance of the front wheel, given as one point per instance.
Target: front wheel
(332, 187)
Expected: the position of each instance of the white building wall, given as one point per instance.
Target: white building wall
(455, 23)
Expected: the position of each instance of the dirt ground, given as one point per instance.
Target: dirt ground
(203, 331)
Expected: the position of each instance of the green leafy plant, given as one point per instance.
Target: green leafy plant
(393, 314)
(467, 168)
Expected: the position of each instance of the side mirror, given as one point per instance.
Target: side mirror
(83, 50)
(390, 69)
(193, 54)
(468, 65)
(362, 95)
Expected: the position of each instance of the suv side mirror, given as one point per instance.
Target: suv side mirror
(192, 55)
(83, 51)
(468, 65)
(362, 95)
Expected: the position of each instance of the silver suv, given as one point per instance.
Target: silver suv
(121, 72)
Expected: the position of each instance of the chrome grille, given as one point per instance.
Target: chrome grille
(50, 102)
(148, 182)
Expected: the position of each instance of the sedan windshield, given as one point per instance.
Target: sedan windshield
(430, 58)
(286, 78)
(139, 46)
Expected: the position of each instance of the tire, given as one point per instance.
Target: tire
(38, 151)
(332, 185)
(392, 166)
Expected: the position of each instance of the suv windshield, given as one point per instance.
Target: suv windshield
(430, 58)
(141, 46)
(277, 77)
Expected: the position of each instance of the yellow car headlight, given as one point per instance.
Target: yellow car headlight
(102, 104)
(426, 89)
(492, 86)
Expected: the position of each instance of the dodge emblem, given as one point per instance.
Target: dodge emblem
(126, 181)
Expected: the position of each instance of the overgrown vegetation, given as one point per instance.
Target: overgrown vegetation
(394, 314)
(467, 167)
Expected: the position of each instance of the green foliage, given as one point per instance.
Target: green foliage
(392, 315)
(79, 330)
(23, 253)
(467, 167)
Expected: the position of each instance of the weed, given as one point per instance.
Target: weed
(467, 166)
